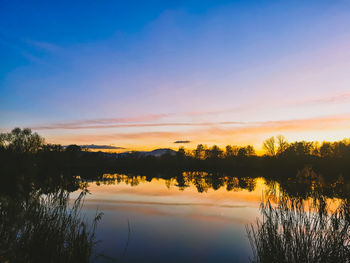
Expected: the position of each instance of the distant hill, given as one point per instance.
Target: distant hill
(159, 152)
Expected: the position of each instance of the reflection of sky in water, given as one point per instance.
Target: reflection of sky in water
(169, 225)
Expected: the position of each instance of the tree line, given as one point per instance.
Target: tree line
(22, 148)
(274, 147)
(25, 141)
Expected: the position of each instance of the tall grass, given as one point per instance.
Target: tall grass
(288, 232)
(45, 229)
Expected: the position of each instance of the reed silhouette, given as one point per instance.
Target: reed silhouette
(43, 228)
(291, 233)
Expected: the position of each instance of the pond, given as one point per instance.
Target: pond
(193, 218)
(160, 217)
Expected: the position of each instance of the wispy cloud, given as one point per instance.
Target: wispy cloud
(28, 48)
(325, 99)
(182, 142)
(110, 137)
(102, 123)
(16, 45)
(222, 111)
(33, 58)
(233, 125)
(45, 46)
(223, 133)
(309, 124)
(166, 124)
(329, 99)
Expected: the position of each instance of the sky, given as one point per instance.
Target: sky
(140, 75)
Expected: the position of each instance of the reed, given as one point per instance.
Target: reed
(46, 229)
(288, 232)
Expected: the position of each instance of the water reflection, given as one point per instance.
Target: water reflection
(202, 181)
(306, 184)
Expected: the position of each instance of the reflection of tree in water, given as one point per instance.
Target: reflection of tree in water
(198, 179)
(232, 184)
(306, 184)
(247, 183)
(272, 187)
(203, 181)
(170, 182)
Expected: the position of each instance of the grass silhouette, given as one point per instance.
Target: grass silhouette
(288, 232)
(46, 229)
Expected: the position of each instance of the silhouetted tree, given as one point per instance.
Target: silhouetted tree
(213, 153)
(181, 153)
(199, 152)
(231, 151)
(73, 148)
(302, 148)
(21, 141)
(282, 144)
(269, 146)
(52, 148)
(316, 149)
(326, 149)
(250, 150)
(228, 151)
(341, 149)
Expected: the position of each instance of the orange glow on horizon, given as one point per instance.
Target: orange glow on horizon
(333, 128)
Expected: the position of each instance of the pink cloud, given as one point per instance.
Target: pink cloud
(220, 132)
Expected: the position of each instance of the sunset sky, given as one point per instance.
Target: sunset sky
(146, 74)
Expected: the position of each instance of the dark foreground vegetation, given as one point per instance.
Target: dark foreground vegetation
(293, 233)
(45, 229)
(38, 222)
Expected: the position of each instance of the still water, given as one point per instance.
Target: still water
(160, 220)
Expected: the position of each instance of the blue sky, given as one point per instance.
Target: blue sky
(130, 73)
